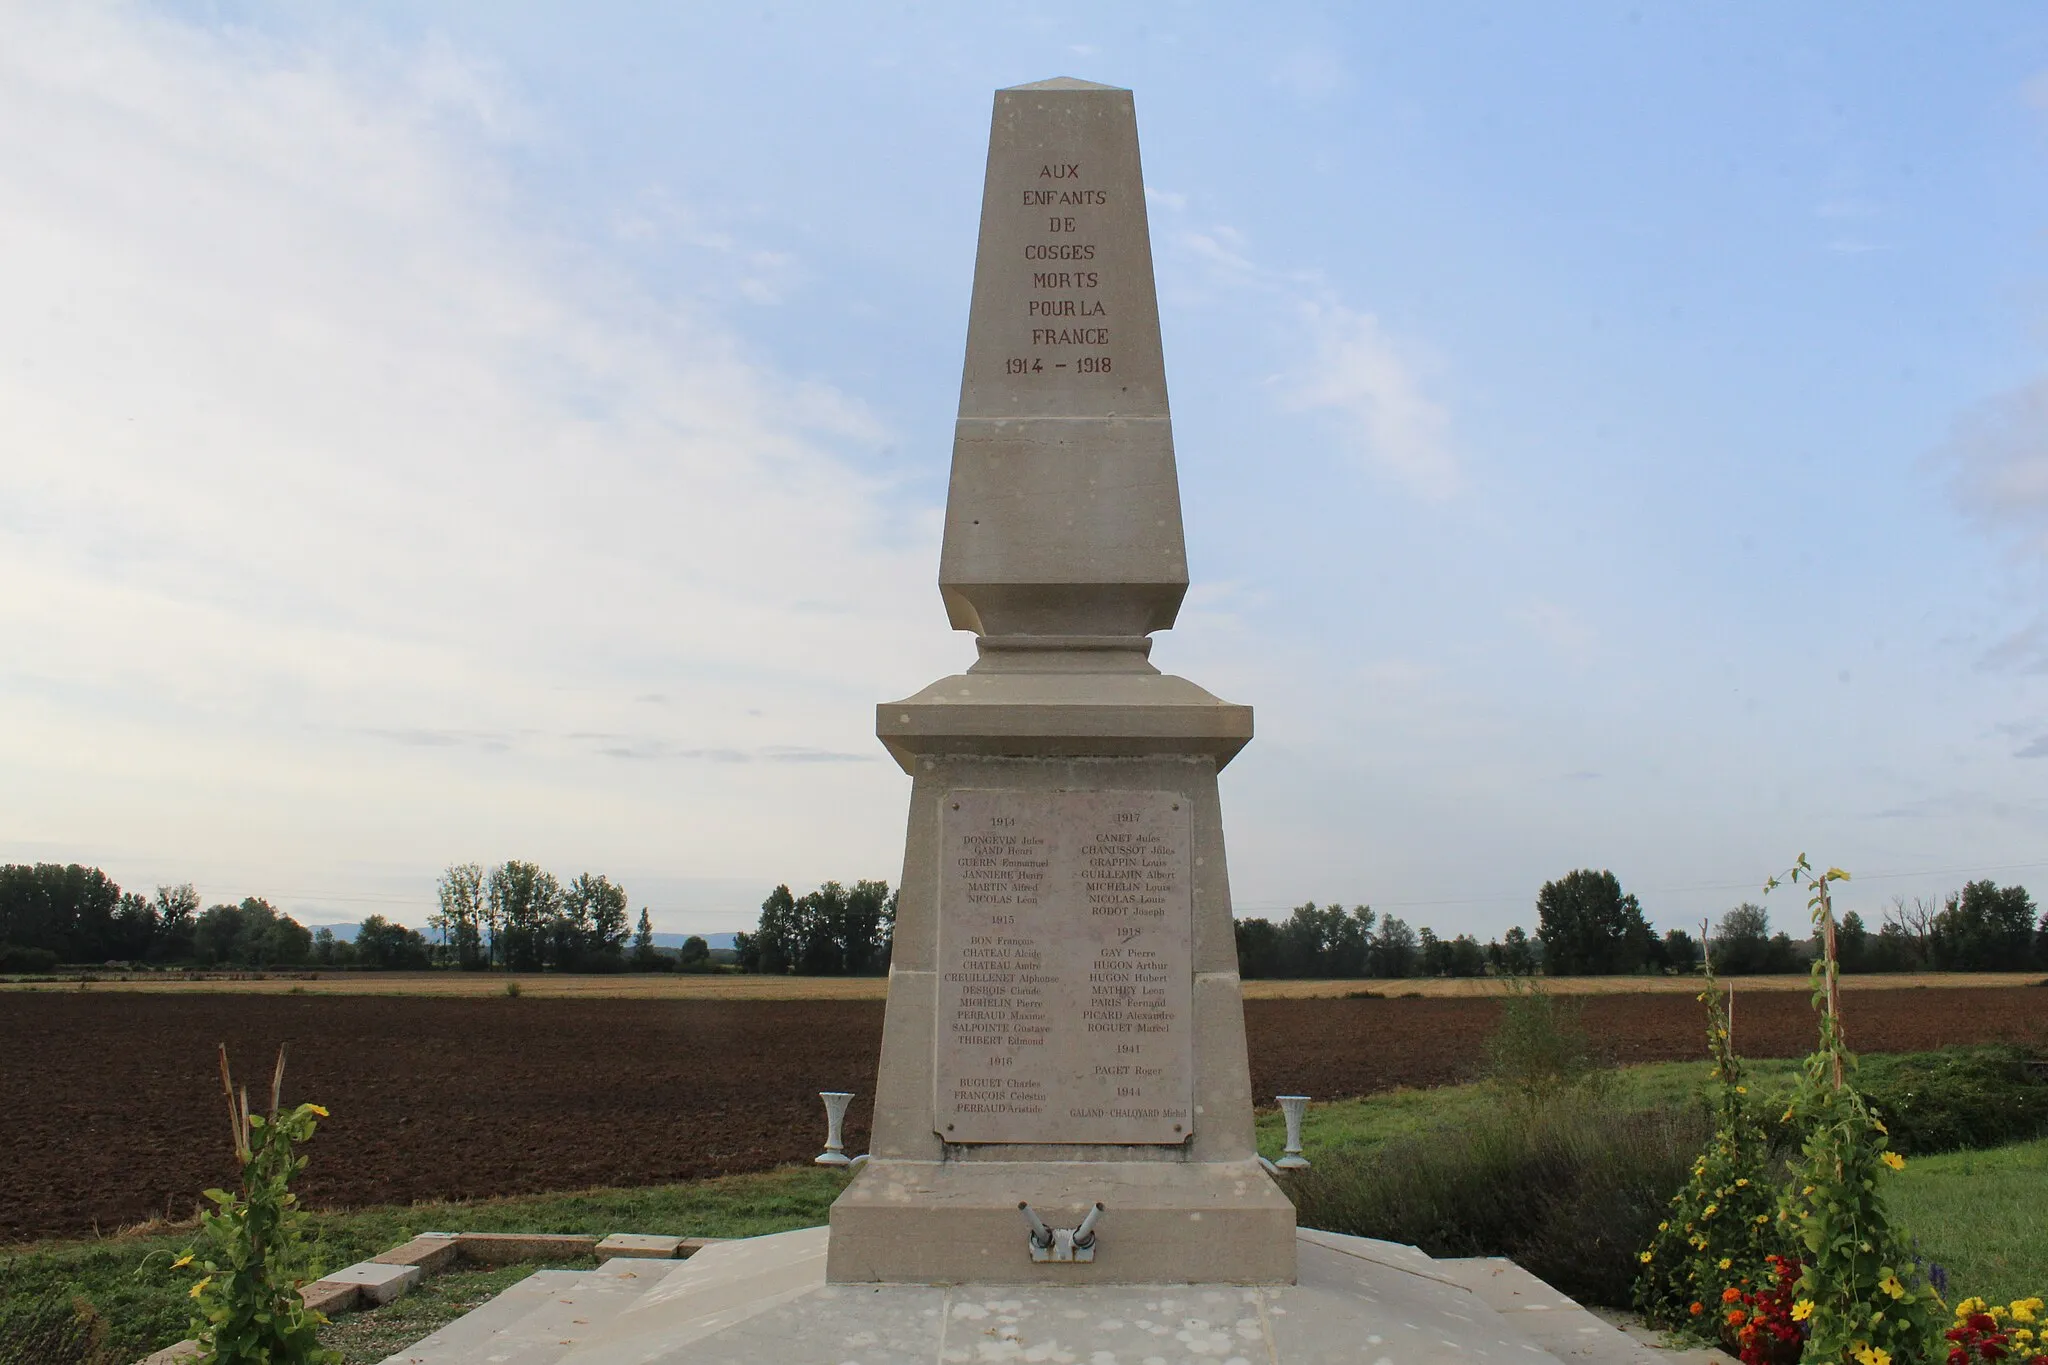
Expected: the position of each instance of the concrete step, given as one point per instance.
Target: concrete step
(1574, 1334)
(540, 1319)
(765, 1299)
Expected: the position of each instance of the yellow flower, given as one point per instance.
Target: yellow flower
(1740, 1183)
(1881, 1128)
(1894, 1160)
(1873, 1355)
(2022, 1334)
(1802, 1310)
(1968, 1306)
(186, 1259)
(1710, 1210)
(1807, 1190)
(200, 1287)
(1762, 1218)
(1742, 1090)
(2023, 1310)
(1890, 1285)
(1725, 1263)
(1644, 1258)
(316, 1109)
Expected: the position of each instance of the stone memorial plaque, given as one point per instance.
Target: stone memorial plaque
(1066, 956)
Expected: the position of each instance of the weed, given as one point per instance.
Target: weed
(55, 1329)
(1540, 1046)
(1569, 1187)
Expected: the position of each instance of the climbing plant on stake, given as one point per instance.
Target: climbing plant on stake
(1858, 1293)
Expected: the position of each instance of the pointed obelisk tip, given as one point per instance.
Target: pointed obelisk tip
(1064, 83)
(1063, 516)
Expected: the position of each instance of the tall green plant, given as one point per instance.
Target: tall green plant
(1859, 1295)
(251, 1247)
(1540, 1047)
(1723, 1225)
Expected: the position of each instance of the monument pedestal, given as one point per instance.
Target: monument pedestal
(1076, 749)
(949, 1222)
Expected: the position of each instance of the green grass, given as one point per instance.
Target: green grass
(146, 1306)
(1982, 1215)
(1979, 1216)
(1380, 1118)
(367, 1338)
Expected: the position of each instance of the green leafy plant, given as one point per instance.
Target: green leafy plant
(1540, 1047)
(1859, 1295)
(1722, 1227)
(251, 1248)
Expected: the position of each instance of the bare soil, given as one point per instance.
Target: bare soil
(111, 1113)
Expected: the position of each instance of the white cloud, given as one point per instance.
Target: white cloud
(1366, 380)
(304, 440)
(1997, 463)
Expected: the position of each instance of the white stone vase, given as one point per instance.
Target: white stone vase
(835, 1119)
(1291, 1106)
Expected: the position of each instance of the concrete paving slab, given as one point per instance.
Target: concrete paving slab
(639, 1244)
(1567, 1330)
(432, 1252)
(378, 1281)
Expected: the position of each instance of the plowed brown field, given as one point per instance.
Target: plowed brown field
(110, 1111)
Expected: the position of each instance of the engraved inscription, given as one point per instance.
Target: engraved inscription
(1066, 967)
(1064, 310)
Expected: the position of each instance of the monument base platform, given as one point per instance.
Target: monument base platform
(1167, 1222)
(765, 1301)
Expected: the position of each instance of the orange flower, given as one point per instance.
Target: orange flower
(1735, 1316)
(1731, 1295)
(1698, 1309)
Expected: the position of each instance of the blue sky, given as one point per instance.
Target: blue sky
(1610, 435)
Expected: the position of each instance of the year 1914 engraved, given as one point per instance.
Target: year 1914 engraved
(1065, 968)
(1063, 308)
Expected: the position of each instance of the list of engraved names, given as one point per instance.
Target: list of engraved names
(1065, 968)
(1066, 326)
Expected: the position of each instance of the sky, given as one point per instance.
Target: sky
(1611, 435)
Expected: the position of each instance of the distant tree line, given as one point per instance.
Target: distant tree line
(1588, 926)
(833, 931)
(517, 916)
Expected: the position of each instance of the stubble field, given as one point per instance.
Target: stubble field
(110, 1112)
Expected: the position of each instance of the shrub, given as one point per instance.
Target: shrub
(1721, 1229)
(1569, 1189)
(26, 961)
(1859, 1293)
(252, 1247)
(1540, 1046)
(1955, 1099)
(53, 1330)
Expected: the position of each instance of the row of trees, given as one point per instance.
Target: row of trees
(517, 916)
(1588, 926)
(833, 931)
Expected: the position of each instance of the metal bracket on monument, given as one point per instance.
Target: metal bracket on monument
(1061, 1244)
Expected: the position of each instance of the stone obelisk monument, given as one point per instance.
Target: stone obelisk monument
(1065, 1026)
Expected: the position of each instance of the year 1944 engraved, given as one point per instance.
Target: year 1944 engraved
(1087, 364)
